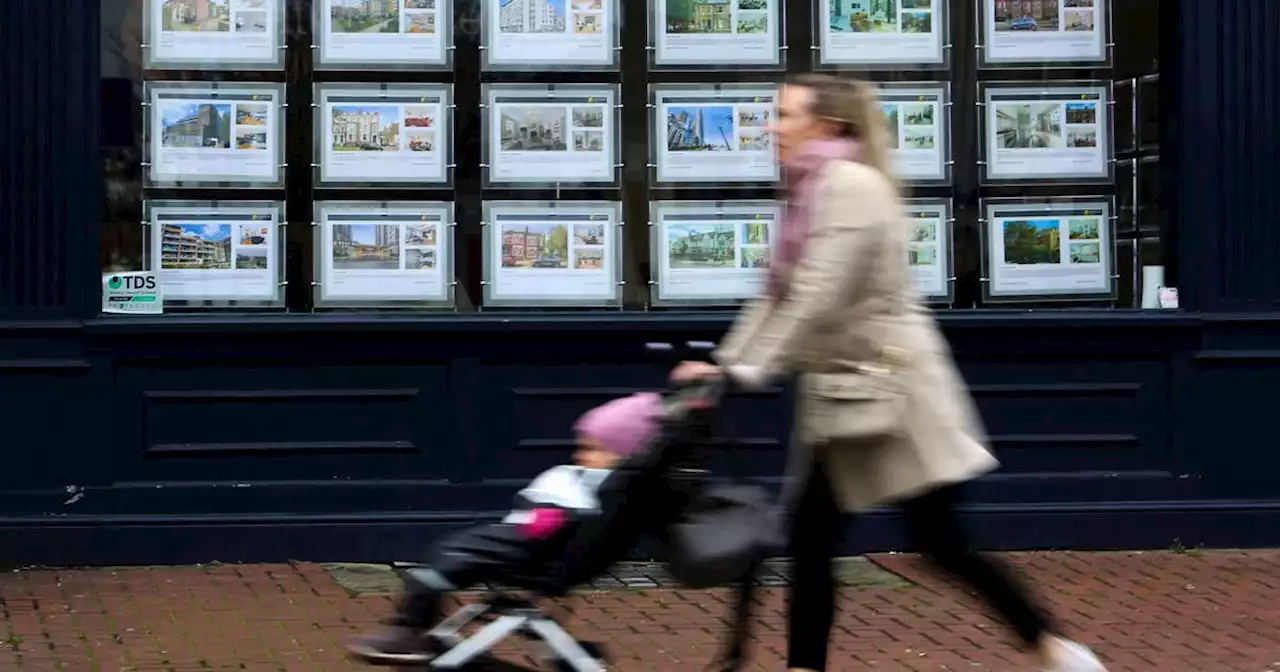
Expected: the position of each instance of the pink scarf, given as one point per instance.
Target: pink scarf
(801, 175)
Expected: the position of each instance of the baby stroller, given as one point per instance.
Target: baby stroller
(710, 531)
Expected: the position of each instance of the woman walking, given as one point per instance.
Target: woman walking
(883, 416)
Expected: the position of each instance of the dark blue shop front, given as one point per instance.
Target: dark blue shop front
(360, 435)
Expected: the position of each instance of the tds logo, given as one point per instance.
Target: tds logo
(131, 282)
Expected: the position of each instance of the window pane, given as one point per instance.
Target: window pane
(1034, 133)
(122, 234)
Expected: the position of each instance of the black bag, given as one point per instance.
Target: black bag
(724, 537)
(725, 531)
(724, 534)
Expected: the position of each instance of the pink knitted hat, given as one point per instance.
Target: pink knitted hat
(624, 425)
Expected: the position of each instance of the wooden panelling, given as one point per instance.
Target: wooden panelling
(214, 422)
(1045, 415)
(46, 408)
(214, 434)
(1231, 423)
(245, 421)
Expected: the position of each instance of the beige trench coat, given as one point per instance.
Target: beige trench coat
(851, 297)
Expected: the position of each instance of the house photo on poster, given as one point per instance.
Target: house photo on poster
(1047, 133)
(545, 135)
(381, 33)
(382, 133)
(206, 133)
(714, 133)
(711, 252)
(551, 253)
(929, 248)
(881, 32)
(215, 251)
(384, 252)
(706, 32)
(524, 34)
(214, 34)
(917, 132)
(1047, 249)
(1044, 31)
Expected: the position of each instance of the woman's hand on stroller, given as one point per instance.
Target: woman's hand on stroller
(544, 523)
(690, 371)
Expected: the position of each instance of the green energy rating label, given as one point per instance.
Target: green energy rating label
(136, 293)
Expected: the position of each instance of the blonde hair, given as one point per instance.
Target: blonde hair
(852, 105)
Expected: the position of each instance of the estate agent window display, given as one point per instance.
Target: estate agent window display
(1037, 132)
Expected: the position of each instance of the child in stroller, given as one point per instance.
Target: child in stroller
(544, 517)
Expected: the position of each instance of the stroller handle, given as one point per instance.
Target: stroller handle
(708, 391)
(671, 348)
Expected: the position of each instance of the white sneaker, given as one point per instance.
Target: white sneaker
(1076, 658)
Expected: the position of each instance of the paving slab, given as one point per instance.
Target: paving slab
(362, 579)
(1211, 611)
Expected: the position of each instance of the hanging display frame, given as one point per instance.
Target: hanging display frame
(425, 99)
(244, 19)
(1098, 53)
(441, 14)
(754, 228)
(1090, 240)
(600, 113)
(423, 235)
(912, 54)
(192, 137)
(924, 170)
(576, 12)
(594, 232)
(205, 238)
(930, 244)
(702, 56)
(1068, 132)
(761, 101)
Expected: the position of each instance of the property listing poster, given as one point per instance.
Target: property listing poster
(1048, 249)
(548, 136)
(1055, 133)
(1038, 31)
(713, 252)
(714, 134)
(560, 254)
(206, 133)
(881, 32)
(382, 32)
(214, 32)
(216, 252)
(380, 134)
(700, 32)
(384, 253)
(928, 249)
(540, 33)
(917, 138)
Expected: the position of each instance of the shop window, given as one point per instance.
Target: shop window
(316, 155)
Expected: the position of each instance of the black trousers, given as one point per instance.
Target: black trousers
(484, 554)
(816, 529)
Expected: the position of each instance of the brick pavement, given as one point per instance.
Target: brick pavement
(1167, 612)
